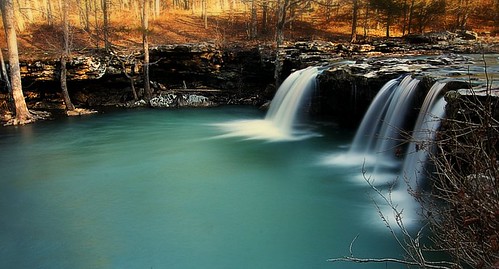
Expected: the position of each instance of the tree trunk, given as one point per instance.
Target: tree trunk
(405, 14)
(281, 21)
(411, 14)
(145, 47)
(204, 12)
(65, 57)
(87, 16)
(29, 10)
(254, 22)
(19, 16)
(48, 12)
(157, 8)
(265, 8)
(366, 20)
(355, 11)
(105, 18)
(388, 24)
(22, 112)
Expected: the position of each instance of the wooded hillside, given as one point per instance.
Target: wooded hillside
(101, 23)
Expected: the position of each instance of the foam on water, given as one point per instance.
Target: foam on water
(280, 122)
(259, 130)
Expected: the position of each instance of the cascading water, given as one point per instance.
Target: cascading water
(286, 103)
(369, 126)
(279, 123)
(396, 112)
(432, 111)
(376, 138)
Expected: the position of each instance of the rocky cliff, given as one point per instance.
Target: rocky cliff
(204, 74)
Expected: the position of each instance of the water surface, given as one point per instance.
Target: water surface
(165, 189)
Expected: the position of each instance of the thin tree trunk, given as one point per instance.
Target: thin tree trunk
(65, 57)
(22, 112)
(204, 12)
(254, 22)
(157, 8)
(19, 16)
(29, 10)
(353, 36)
(366, 20)
(281, 21)
(265, 8)
(87, 15)
(411, 14)
(96, 20)
(48, 12)
(388, 24)
(105, 18)
(145, 46)
(405, 14)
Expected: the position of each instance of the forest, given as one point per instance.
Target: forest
(103, 23)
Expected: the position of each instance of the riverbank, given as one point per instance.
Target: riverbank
(207, 74)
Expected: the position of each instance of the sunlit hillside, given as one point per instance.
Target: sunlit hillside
(225, 21)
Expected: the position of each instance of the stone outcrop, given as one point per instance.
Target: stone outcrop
(180, 100)
(347, 88)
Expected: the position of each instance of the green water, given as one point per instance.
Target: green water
(162, 189)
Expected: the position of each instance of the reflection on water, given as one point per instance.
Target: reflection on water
(151, 189)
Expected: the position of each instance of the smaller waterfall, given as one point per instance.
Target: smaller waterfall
(280, 121)
(376, 142)
(396, 113)
(369, 126)
(376, 139)
(286, 103)
(429, 119)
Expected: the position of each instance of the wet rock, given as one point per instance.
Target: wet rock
(180, 100)
(80, 112)
(467, 35)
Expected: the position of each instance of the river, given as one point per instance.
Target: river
(165, 189)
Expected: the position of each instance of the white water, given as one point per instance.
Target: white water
(429, 119)
(375, 143)
(377, 139)
(281, 119)
(369, 126)
(389, 136)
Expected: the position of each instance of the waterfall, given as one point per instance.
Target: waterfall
(432, 111)
(375, 142)
(280, 121)
(286, 103)
(369, 125)
(392, 124)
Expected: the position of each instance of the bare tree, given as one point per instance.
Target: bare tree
(282, 9)
(145, 47)
(463, 206)
(105, 17)
(22, 113)
(204, 12)
(253, 30)
(415, 252)
(65, 57)
(355, 13)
